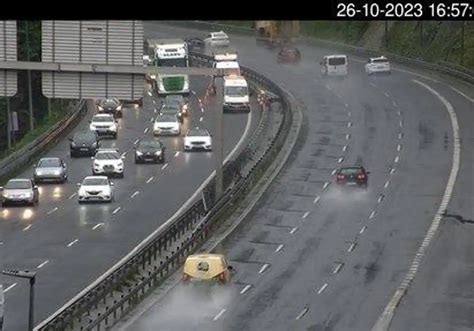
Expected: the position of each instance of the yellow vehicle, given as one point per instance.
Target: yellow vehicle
(276, 33)
(207, 268)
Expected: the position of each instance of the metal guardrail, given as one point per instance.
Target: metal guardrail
(25, 155)
(182, 236)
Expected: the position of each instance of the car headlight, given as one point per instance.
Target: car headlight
(113, 128)
(94, 145)
(100, 107)
(73, 144)
(153, 76)
(185, 107)
(139, 153)
(119, 107)
(57, 172)
(158, 153)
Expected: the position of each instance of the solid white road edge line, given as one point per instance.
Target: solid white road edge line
(383, 322)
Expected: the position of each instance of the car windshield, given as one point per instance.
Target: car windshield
(337, 61)
(197, 133)
(83, 137)
(18, 184)
(351, 171)
(149, 144)
(170, 108)
(110, 102)
(45, 163)
(102, 119)
(107, 156)
(238, 91)
(166, 118)
(180, 62)
(94, 181)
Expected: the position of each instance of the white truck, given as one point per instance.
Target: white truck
(236, 94)
(170, 53)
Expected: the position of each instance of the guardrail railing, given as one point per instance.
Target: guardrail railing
(25, 155)
(167, 249)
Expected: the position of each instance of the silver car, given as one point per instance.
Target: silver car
(20, 191)
(50, 169)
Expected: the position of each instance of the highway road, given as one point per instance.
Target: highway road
(70, 245)
(313, 257)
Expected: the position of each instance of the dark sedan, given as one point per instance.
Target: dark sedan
(289, 55)
(84, 143)
(150, 150)
(110, 106)
(354, 175)
(195, 43)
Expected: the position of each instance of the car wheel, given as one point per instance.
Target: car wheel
(80, 202)
(122, 175)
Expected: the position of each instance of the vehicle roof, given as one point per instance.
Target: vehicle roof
(107, 150)
(162, 42)
(98, 177)
(214, 263)
(227, 65)
(19, 180)
(49, 158)
(335, 55)
(379, 58)
(102, 115)
(218, 33)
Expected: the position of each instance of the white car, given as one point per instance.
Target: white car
(199, 139)
(96, 188)
(334, 65)
(104, 125)
(219, 38)
(108, 162)
(166, 124)
(377, 65)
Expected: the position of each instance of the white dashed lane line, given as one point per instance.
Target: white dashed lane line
(164, 166)
(399, 148)
(134, 194)
(322, 288)
(386, 94)
(26, 228)
(52, 211)
(349, 124)
(293, 230)
(124, 154)
(386, 184)
(149, 93)
(348, 136)
(279, 248)
(219, 315)
(397, 158)
(176, 154)
(303, 312)
(116, 210)
(305, 214)
(316, 200)
(42, 264)
(72, 242)
(395, 104)
(337, 268)
(379, 200)
(363, 229)
(72, 196)
(333, 172)
(340, 160)
(146, 130)
(245, 289)
(149, 179)
(325, 186)
(372, 214)
(351, 247)
(136, 141)
(344, 148)
(97, 226)
(10, 287)
(263, 268)
(400, 135)
(392, 171)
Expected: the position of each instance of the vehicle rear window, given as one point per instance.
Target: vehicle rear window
(197, 133)
(380, 61)
(166, 118)
(337, 61)
(102, 119)
(49, 163)
(351, 171)
(18, 184)
(94, 181)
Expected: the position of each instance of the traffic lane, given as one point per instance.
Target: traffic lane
(357, 296)
(187, 168)
(449, 306)
(325, 137)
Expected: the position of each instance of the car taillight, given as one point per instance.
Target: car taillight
(340, 176)
(361, 176)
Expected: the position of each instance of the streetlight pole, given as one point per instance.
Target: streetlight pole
(28, 72)
(31, 276)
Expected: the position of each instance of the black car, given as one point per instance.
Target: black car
(150, 150)
(195, 43)
(110, 106)
(84, 143)
(354, 175)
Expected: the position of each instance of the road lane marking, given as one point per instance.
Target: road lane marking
(344, 148)
(202, 110)
(176, 154)
(363, 229)
(305, 214)
(149, 179)
(52, 211)
(245, 289)
(386, 94)
(372, 214)
(372, 84)
(293, 230)
(151, 119)
(124, 154)
(146, 130)
(136, 141)
(348, 136)
(346, 105)
(351, 247)
(220, 314)
(134, 194)
(399, 148)
(333, 172)
(383, 322)
(72, 242)
(149, 93)
(303, 312)
(279, 248)
(316, 200)
(200, 119)
(154, 102)
(400, 135)
(395, 104)
(72, 196)
(400, 123)
(340, 160)
(116, 210)
(392, 171)
(26, 228)
(9, 287)
(338, 268)
(263, 268)
(321, 290)
(97, 226)
(386, 184)
(399, 113)
(193, 92)
(397, 158)
(164, 166)
(325, 186)
(349, 124)
(42, 264)
(380, 198)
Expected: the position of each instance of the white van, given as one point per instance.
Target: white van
(334, 65)
(236, 94)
